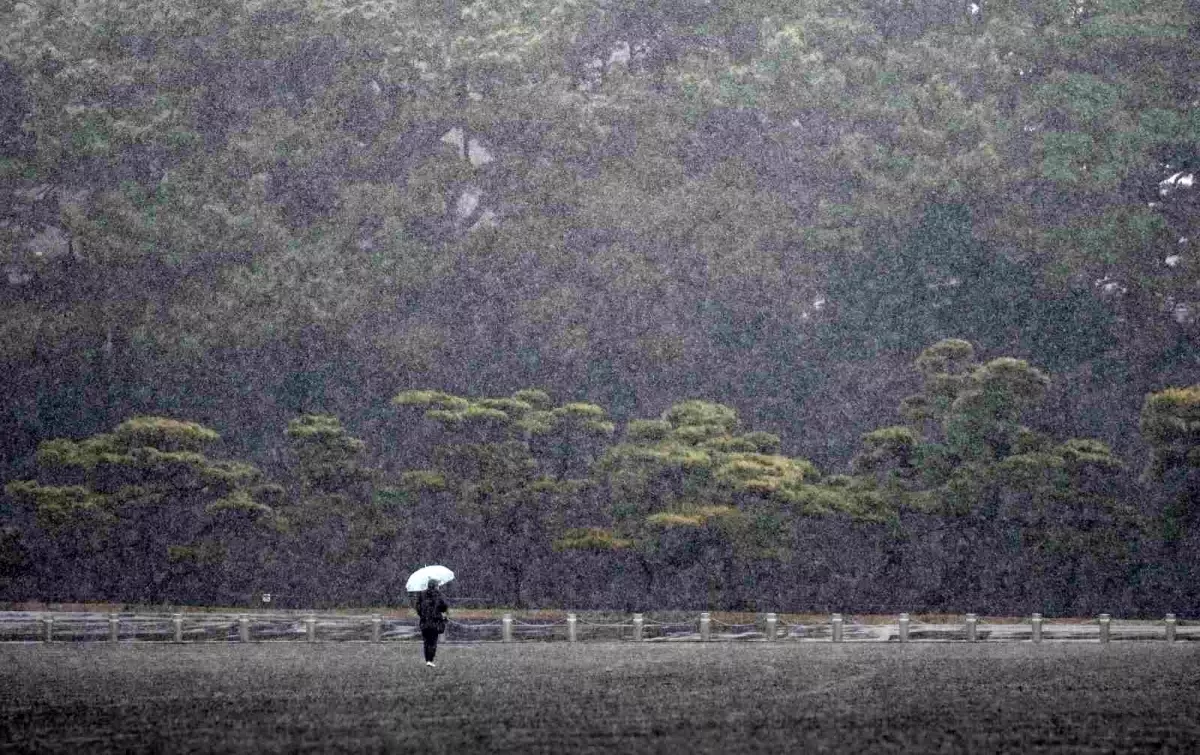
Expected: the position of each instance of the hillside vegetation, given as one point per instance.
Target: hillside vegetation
(716, 236)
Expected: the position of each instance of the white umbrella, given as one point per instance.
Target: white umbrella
(419, 580)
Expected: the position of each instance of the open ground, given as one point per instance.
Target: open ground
(600, 697)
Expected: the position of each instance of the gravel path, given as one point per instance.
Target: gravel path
(601, 697)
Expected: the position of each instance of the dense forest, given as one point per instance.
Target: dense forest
(837, 305)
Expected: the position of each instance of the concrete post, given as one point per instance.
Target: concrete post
(903, 622)
(705, 626)
(1170, 622)
(639, 623)
(837, 623)
(48, 626)
(244, 628)
(1105, 627)
(572, 623)
(177, 625)
(310, 628)
(507, 625)
(376, 627)
(114, 628)
(972, 628)
(1037, 627)
(772, 625)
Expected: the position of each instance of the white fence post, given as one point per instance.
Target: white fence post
(972, 628)
(244, 628)
(114, 627)
(1170, 622)
(903, 623)
(376, 627)
(837, 621)
(507, 625)
(772, 624)
(1037, 627)
(572, 623)
(48, 624)
(177, 625)
(1105, 627)
(705, 626)
(639, 623)
(310, 628)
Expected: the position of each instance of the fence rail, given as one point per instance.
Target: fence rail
(278, 627)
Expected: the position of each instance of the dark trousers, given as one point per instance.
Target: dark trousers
(431, 637)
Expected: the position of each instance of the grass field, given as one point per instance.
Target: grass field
(601, 697)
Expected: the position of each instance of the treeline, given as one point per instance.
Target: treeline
(533, 502)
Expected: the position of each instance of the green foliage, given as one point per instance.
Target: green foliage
(243, 192)
(483, 414)
(147, 510)
(507, 466)
(446, 417)
(917, 409)
(534, 397)
(591, 539)
(86, 454)
(240, 501)
(966, 488)
(207, 553)
(897, 441)
(60, 507)
(731, 444)
(980, 452)
(579, 410)
(690, 516)
(1087, 99)
(1011, 381)
(950, 356)
(888, 449)
(1030, 441)
(586, 417)
(1170, 423)
(511, 407)
(702, 460)
(686, 490)
(538, 422)
(983, 421)
(329, 458)
(763, 474)
(269, 493)
(152, 444)
(423, 479)
(233, 474)
(164, 434)
(1031, 471)
(762, 442)
(705, 418)
(897, 118)
(1080, 453)
(855, 498)
(316, 428)
(694, 435)
(534, 418)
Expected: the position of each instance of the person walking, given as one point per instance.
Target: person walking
(431, 608)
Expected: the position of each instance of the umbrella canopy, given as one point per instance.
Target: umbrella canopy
(419, 579)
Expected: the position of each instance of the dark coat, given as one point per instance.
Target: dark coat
(432, 607)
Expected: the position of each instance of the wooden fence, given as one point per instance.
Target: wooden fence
(770, 627)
